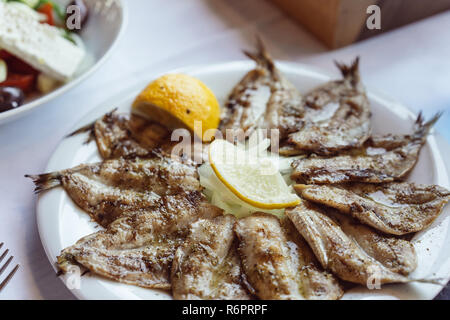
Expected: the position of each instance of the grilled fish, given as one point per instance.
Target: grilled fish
(138, 249)
(393, 208)
(118, 135)
(207, 265)
(108, 189)
(130, 136)
(336, 251)
(264, 98)
(396, 254)
(278, 264)
(382, 159)
(338, 116)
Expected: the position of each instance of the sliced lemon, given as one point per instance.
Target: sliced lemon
(180, 101)
(254, 180)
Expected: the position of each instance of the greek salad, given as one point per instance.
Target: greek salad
(39, 47)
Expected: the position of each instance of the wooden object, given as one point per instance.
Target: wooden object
(341, 22)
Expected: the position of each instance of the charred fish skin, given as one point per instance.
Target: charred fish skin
(348, 123)
(392, 208)
(118, 135)
(108, 189)
(394, 163)
(275, 267)
(336, 251)
(206, 265)
(139, 249)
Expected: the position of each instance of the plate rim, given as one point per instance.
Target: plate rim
(16, 113)
(201, 68)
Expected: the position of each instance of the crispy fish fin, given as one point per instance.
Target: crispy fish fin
(421, 128)
(87, 128)
(90, 128)
(45, 181)
(350, 71)
(261, 56)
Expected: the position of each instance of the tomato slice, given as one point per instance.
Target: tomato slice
(47, 9)
(16, 65)
(22, 81)
(4, 55)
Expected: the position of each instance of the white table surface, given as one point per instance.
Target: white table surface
(410, 64)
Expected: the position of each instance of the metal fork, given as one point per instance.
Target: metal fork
(3, 267)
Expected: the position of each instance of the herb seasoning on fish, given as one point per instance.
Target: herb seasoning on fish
(396, 159)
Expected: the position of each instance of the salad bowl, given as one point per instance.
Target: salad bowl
(98, 37)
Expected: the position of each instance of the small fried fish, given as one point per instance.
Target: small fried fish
(264, 98)
(383, 159)
(118, 135)
(336, 251)
(396, 254)
(278, 264)
(107, 189)
(139, 249)
(338, 116)
(207, 265)
(393, 208)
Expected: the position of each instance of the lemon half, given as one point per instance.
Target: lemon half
(252, 179)
(179, 101)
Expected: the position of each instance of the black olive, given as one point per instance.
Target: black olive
(84, 13)
(10, 98)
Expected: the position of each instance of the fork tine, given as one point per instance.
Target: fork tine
(10, 275)
(1, 245)
(6, 264)
(3, 255)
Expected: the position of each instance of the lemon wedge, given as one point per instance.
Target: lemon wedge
(255, 180)
(180, 101)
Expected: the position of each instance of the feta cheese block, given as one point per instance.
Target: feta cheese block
(39, 44)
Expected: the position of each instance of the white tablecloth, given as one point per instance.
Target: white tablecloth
(410, 64)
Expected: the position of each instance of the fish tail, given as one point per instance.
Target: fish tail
(45, 181)
(261, 57)
(422, 128)
(65, 262)
(436, 281)
(87, 128)
(350, 71)
(90, 127)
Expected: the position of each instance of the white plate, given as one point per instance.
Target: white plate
(106, 23)
(61, 223)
